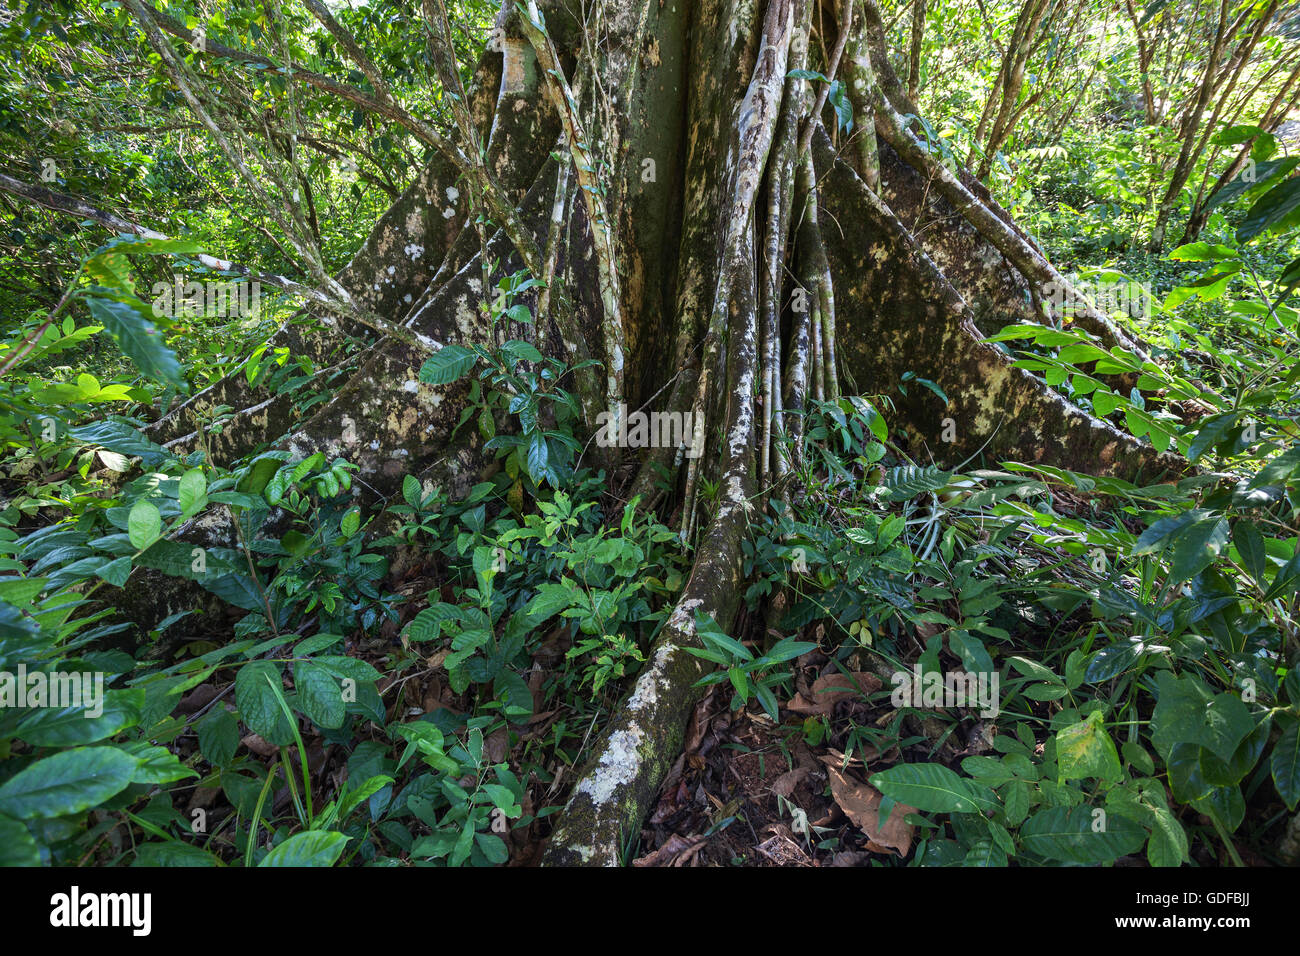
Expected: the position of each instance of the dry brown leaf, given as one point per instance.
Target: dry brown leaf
(829, 689)
(259, 746)
(782, 848)
(861, 804)
(676, 852)
(784, 785)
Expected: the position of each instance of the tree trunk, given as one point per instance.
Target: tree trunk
(719, 225)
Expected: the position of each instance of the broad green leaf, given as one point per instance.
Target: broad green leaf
(313, 848)
(72, 726)
(446, 365)
(1250, 545)
(1081, 835)
(257, 704)
(218, 736)
(1187, 712)
(193, 491)
(932, 787)
(144, 524)
(131, 325)
(66, 783)
(1285, 766)
(158, 765)
(17, 848)
(1276, 208)
(173, 854)
(1085, 749)
(319, 695)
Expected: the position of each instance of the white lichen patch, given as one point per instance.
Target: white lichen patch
(452, 194)
(646, 691)
(466, 320)
(618, 767)
(683, 616)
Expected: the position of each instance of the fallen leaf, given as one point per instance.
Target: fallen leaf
(782, 848)
(830, 689)
(259, 746)
(784, 785)
(676, 852)
(861, 804)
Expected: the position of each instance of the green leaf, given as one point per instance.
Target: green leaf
(538, 457)
(1226, 773)
(193, 492)
(173, 853)
(787, 649)
(1285, 766)
(412, 491)
(839, 99)
(313, 848)
(427, 625)
(522, 351)
(1250, 545)
(1224, 804)
(72, 726)
(1085, 749)
(1081, 835)
(1186, 779)
(143, 525)
(67, 782)
(257, 703)
(319, 695)
(350, 668)
(1264, 171)
(711, 632)
(115, 572)
(1272, 210)
(218, 736)
(447, 365)
(17, 848)
(367, 790)
(158, 765)
(131, 325)
(1196, 548)
(1187, 712)
(1203, 252)
(1157, 537)
(932, 787)
(1279, 469)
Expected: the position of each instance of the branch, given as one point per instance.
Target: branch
(502, 212)
(602, 238)
(80, 209)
